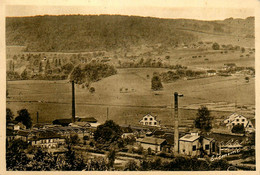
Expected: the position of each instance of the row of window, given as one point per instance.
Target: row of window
(194, 147)
(147, 119)
(150, 123)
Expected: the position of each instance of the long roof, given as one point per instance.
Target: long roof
(151, 140)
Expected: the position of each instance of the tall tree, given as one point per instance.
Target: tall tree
(77, 75)
(108, 134)
(24, 75)
(156, 83)
(24, 117)
(203, 120)
(9, 114)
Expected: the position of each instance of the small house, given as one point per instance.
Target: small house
(155, 144)
(237, 119)
(211, 72)
(190, 145)
(150, 120)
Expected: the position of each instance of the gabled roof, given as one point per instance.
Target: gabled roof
(151, 140)
(233, 116)
(189, 138)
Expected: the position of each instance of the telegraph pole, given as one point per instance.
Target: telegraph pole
(73, 101)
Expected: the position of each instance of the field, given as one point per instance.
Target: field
(52, 99)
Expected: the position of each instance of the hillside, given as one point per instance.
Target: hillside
(109, 32)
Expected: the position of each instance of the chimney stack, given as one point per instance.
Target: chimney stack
(176, 123)
(73, 101)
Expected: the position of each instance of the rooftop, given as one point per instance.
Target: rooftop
(151, 140)
(189, 138)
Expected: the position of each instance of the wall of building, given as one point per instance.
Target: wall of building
(186, 148)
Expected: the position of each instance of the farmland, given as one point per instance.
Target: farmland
(52, 99)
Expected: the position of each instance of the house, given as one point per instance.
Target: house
(191, 145)
(155, 144)
(49, 139)
(209, 145)
(250, 126)
(211, 72)
(237, 119)
(127, 132)
(229, 66)
(15, 125)
(150, 120)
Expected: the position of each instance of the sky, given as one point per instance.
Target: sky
(195, 9)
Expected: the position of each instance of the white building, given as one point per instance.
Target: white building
(149, 120)
(237, 119)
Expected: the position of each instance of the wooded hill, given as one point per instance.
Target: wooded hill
(106, 32)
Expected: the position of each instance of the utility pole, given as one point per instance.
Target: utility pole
(176, 122)
(107, 112)
(37, 117)
(73, 101)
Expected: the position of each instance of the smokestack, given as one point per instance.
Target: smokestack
(37, 117)
(73, 101)
(176, 123)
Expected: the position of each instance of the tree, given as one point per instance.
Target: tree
(24, 75)
(9, 114)
(77, 75)
(111, 156)
(203, 120)
(92, 90)
(24, 117)
(215, 46)
(243, 49)
(108, 133)
(156, 83)
(131, 165)
(40, 66)
(239, 129)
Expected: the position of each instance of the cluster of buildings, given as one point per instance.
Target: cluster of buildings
(149, 134)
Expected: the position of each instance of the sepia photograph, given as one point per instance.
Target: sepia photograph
(138, 86)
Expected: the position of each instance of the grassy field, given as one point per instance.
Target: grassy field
(52, 99)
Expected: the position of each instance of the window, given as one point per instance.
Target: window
(150, 123)
(145, 118)
(250, 126)
(237, 120)
(194, 148)
(155, 123)
(146, 123)
(151, 118)
(207, 147)
(242, 124)
(233, 124)
(243, 120)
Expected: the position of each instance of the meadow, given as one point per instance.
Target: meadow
(52, 99)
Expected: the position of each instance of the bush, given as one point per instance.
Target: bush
(215, 46)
